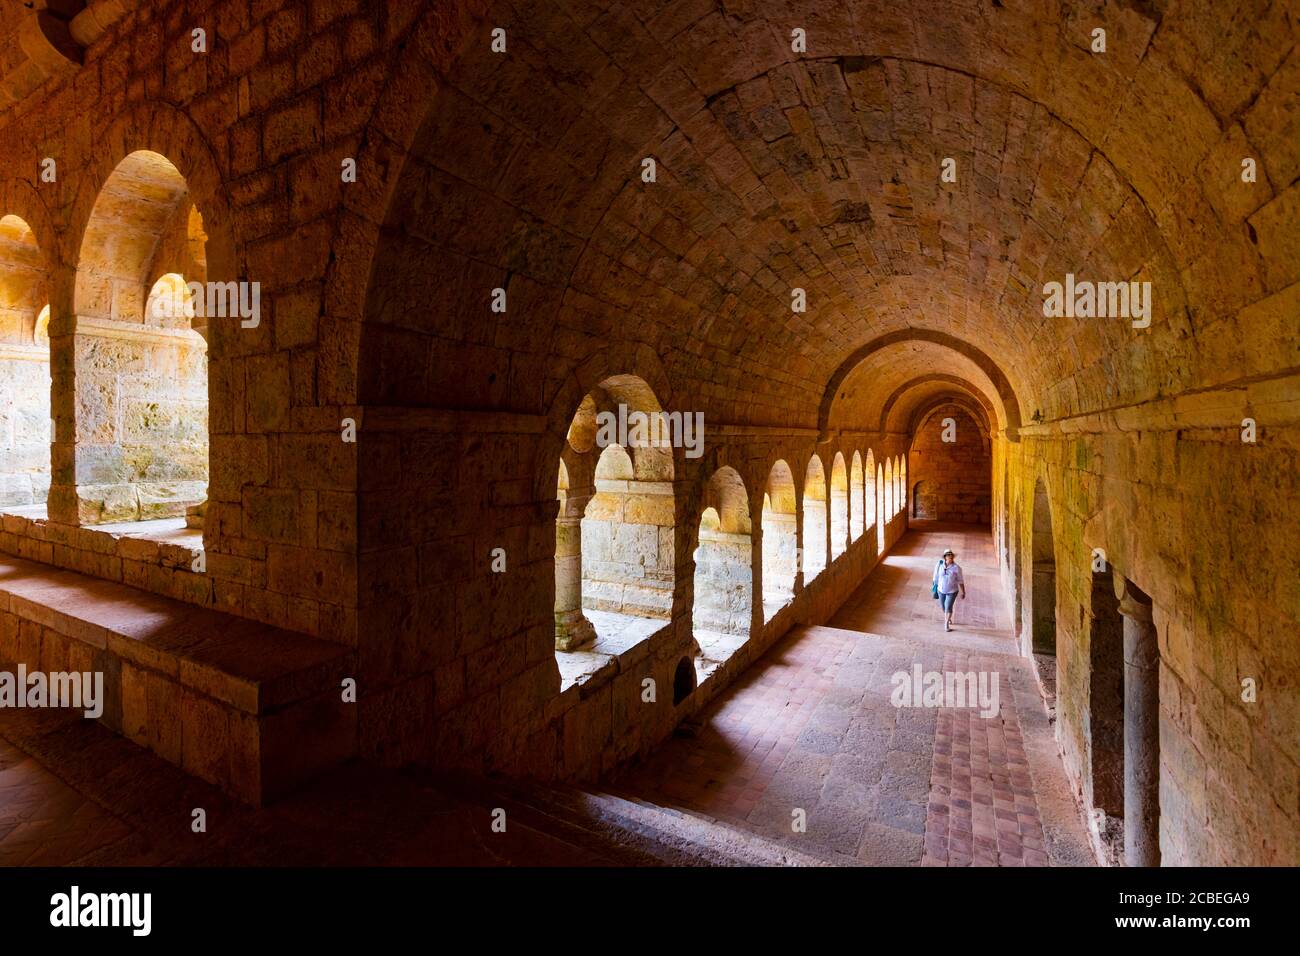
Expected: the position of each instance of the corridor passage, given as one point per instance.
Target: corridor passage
(811, 726)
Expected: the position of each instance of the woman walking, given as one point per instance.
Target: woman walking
(948, 580)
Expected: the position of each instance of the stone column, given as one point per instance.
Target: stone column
(1141, 730)
(572, 629)
(797, 584)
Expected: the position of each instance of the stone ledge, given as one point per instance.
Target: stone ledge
(12, 352)
(249, 707)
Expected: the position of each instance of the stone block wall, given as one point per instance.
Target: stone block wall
(25, 426)
(951, 481)
(780, 554)
(1162, 501)
(627, 547)
(142, 417)
(479, 172)
(723, 582)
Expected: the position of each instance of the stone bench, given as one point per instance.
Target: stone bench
(251, 708)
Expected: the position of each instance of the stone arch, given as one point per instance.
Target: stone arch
(21, 199)
(881, 517)
(723, 607)
(780, 524)
(1010, 403)
(615, 531)
(167, 132)
(923, 507)
(926, 411)
(951, 458)
(431, 40)
(619, 360)
(890, 507)
(961, 387)
(815, 514)
(900, 502)
(839, 500)
(141, 371)
(1043, 582)
(869, 491)
(857, 501)
(25, 384)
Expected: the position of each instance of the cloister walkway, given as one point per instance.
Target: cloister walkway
(811, 727)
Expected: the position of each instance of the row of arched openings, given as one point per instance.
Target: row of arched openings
(614, 552)
(139, 360)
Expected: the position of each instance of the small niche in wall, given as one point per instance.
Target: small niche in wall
(683, 680)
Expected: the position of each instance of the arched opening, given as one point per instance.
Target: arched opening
(857, 503)
(572, 629)
(901, 474)
(724, 603)
(869, 508)
(890, 510)
(1043, 585)
(814, 519)
(25, 424)
(627, 532)
(879, 495)
(614, 568)
(923, 503)
(951, 456)
(839, 507)
(1104, 784)
(780, 540)
(1006, 514)
(140, 353)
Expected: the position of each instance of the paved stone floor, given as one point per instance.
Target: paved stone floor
(811, 727)
(43, 821)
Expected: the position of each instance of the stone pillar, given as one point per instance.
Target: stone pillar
(1141, 730)
(572, 629)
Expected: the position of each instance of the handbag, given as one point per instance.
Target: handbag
(934, 586)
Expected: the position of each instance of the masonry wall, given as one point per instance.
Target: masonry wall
(142, 416)
(522, 173)
(473, 648)
(1164, 504)
(724, 575)
(627, 546)
(24, 425)
(951, 481)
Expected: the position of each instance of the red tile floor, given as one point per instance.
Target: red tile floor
(811, 727)
(42, 820)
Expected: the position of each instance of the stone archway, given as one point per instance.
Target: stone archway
(1042, 606)
(780, 527)
(25, 385)
(140, 349)
(723, 610)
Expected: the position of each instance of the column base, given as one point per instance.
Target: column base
(573, 631)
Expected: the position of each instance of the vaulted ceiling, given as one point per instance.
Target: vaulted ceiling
(819, 168)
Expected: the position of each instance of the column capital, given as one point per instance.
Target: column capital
(1132, 602)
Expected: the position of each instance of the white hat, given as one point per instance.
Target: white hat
(948, 552)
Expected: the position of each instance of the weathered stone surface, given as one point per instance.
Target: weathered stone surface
(776, 171)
